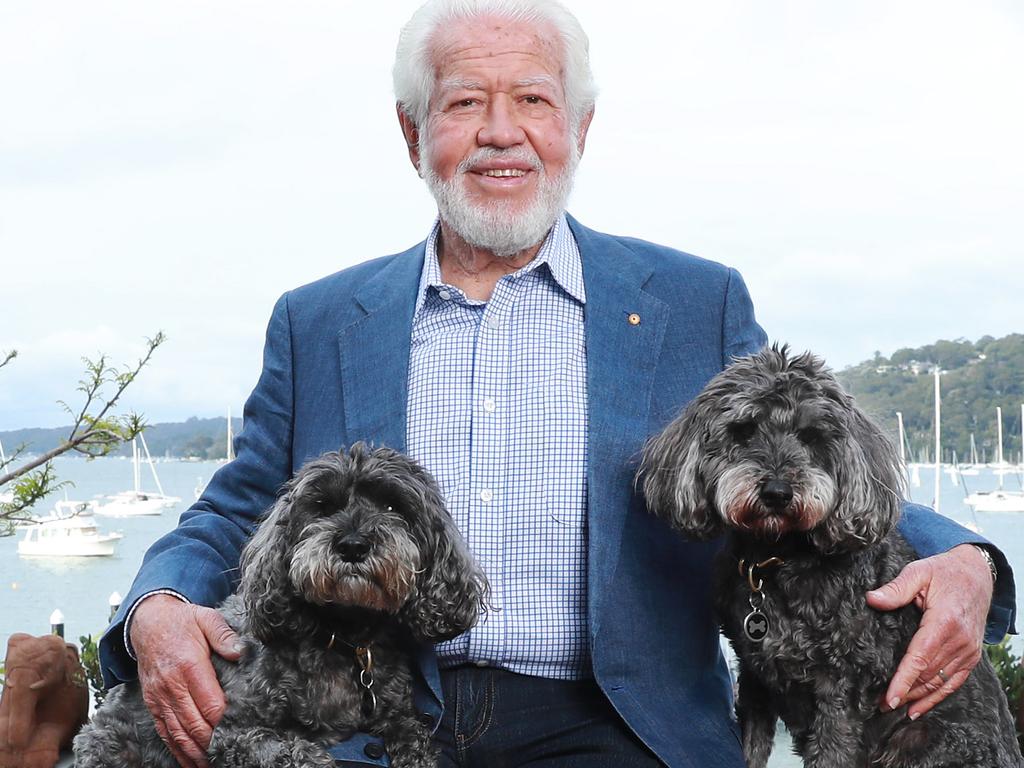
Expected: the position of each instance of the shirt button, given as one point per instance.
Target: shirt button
(489, 404)
(446, 295)
(374, 751)
(481, 663)
(486, 495)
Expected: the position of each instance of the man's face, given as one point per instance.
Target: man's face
(498, 150)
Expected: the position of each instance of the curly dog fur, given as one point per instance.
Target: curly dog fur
(776, 455)
(358, 553)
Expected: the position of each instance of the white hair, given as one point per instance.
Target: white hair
(497, 227)
(414, 72)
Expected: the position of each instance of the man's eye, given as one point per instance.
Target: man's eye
(533, 100)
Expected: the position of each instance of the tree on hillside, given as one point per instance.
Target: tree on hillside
(975, 379)
(96, 430)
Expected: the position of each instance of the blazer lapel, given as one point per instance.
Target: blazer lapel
(374, 352)
(624, 328)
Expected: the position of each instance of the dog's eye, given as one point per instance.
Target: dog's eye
(742, 431)
(810, 435)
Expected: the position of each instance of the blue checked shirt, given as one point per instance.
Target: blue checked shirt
(498, 413)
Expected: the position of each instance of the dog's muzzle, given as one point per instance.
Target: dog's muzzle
(776, 495)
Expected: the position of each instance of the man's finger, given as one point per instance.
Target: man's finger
(923, 697)
(179, 755)
(200, 712)
(184, 739)
(918, 663)
(907, 587)
(172, 701)
(921, 706)
(221, 637)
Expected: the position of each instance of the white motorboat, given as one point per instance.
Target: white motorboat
(137, 502)
(68, 531)
(996, 501)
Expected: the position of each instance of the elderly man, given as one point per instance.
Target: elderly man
(523, 359)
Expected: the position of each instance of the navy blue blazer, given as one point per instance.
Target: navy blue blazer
(335, 371)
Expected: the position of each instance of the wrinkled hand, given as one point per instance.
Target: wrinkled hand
(45, 700)
(172, 641)
(954, 591)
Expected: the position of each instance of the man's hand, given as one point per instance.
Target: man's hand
(45, 700)
(954, 591)
(172, 641)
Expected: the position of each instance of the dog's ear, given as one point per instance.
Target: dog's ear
(672, 478)
(265, 587)
(452, 590)
(869, 487)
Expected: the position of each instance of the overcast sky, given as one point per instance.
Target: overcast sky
(176, 165)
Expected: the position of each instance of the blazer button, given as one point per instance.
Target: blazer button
(374, 750)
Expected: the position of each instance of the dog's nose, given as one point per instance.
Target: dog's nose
(776, 494)
(353, 548)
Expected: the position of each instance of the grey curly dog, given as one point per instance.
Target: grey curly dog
(357, 561)
(776, 455)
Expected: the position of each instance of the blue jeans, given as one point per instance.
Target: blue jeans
(498, 719)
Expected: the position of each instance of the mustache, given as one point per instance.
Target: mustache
(517, 154)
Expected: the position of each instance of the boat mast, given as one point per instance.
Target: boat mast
(938, 443)
(152, 466)
(999, 438)
(135, 466)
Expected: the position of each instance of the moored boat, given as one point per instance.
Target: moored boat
(68, 531)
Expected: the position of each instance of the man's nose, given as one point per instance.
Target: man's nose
(501, 126)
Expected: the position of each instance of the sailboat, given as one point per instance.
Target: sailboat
(938, 442)
(971, 468)
(911, 472)
(999, 500)
(953, 470)
(136, 501)
(5, 497)
(229, 454)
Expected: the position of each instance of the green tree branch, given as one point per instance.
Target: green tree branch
(95, 431)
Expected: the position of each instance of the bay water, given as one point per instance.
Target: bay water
(32, 588)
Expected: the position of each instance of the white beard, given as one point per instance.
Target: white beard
(498, 227)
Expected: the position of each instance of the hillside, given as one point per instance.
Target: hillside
(199, 438)
(976, 377)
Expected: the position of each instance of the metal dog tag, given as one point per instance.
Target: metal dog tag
(755, 626)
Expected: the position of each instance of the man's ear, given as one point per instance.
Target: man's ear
(581, 137)
(412, 136)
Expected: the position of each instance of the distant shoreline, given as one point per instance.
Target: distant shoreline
(193, 439)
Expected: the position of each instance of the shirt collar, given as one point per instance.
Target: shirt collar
(559, 251)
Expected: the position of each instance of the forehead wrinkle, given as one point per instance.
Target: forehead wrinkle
(474, 39)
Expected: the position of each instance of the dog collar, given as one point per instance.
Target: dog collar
(364, 662)
(756, 625)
